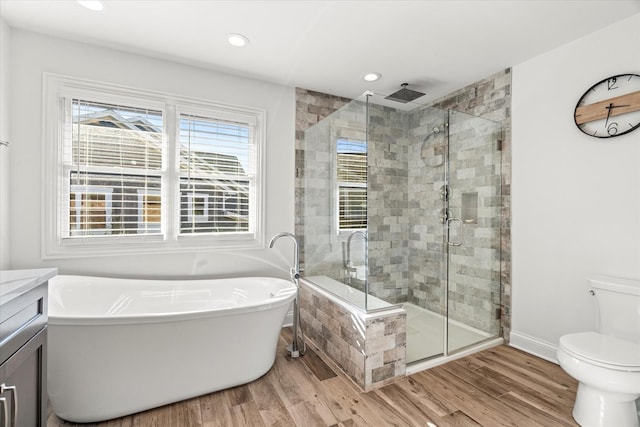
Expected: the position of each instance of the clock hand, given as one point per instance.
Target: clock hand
(611, 107)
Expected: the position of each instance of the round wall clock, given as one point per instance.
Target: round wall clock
(610, 107)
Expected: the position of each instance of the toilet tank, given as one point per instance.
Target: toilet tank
(619, 306)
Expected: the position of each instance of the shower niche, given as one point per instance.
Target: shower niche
(401, 203)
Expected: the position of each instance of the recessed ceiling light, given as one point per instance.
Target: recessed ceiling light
(372, 77)
(237, 40)
(91, 4)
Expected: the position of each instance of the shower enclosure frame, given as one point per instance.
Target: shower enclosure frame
(301, 173)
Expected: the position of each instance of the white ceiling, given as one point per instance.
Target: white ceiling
(435, 46)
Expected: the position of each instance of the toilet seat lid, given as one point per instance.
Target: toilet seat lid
(605, 350)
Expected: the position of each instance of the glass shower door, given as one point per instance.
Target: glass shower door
(426, 303)
(473, 230)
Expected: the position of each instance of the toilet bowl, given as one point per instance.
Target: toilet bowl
(606, 363)
(608, 371)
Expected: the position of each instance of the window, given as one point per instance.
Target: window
(352, 184)
(105, 152)
(216, 175)
(148, 172)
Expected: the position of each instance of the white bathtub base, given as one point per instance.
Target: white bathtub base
(102, 371)
(121, 376)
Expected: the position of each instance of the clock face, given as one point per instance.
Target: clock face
(611, 107)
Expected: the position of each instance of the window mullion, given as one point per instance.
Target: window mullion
(171, 176)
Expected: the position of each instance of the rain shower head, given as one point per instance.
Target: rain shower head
(404, 95)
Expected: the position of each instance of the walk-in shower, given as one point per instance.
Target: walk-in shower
(401, 204)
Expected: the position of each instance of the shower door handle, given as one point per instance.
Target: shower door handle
(449, 242)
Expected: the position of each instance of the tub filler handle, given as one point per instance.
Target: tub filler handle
(14, 406)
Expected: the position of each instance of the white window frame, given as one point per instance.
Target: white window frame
(256, 183)
(57, 88)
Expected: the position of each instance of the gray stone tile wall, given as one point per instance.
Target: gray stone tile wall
(387, 209)
(323, 244)
(311, 108)
(371, 350)
(405, 249)
(426, 159)
(490, 98)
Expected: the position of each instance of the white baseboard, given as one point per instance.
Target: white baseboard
(535, 346)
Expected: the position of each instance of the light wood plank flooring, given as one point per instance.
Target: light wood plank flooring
(496, 387)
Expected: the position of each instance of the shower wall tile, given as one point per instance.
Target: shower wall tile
(406, 257)
(370, 349)
(491, 99)
(387, 207)
(311, 108)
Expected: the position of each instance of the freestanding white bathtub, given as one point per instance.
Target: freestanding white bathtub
(120, 346)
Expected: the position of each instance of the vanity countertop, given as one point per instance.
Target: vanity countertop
(14, 283)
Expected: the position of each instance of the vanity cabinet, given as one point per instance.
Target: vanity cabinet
(23, 347)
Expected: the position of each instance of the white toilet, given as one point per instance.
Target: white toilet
(607, 362)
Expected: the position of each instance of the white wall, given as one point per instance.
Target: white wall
(5, 38)
(576, 199)
(32, 54)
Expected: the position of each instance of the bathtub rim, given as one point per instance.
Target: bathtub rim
(391, 310)
(142, 318)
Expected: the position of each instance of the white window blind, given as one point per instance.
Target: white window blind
(112, 157)
(217, 174)
(352, 184)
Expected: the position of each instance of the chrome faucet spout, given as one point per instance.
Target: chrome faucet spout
(296, 251)
(364, 236)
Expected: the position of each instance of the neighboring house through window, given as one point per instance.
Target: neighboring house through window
(149, 211)
(89, 210)
(148, 170)
(215, 165)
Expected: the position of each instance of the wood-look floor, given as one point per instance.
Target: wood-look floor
(501, 386)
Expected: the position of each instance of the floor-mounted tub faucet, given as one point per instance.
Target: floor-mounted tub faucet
(295, 270)
(295, 349)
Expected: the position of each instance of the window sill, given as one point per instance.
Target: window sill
(80, 248)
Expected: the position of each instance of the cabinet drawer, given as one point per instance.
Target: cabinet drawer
(25, 371)
(21, 319)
